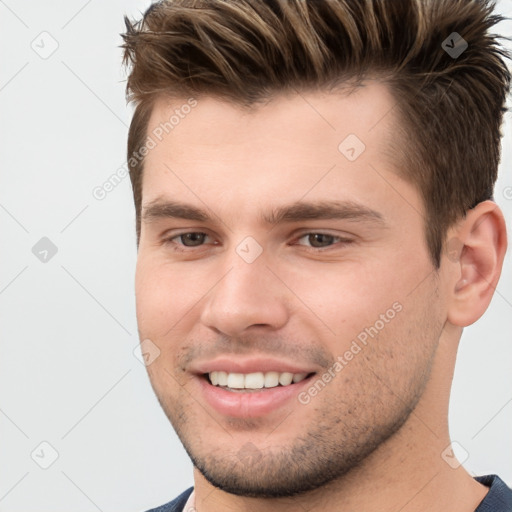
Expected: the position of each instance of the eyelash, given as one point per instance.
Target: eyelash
(177, 246)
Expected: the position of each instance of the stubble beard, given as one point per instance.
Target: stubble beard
(336, 443)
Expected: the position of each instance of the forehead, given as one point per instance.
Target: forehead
(366, 111)
(312, 143)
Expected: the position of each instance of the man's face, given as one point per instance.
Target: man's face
(348, 303)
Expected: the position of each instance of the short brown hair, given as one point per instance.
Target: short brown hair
(450, 106)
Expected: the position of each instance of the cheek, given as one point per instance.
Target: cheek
(348, 297)
(359, 302)
(155, 297)
(167, 296)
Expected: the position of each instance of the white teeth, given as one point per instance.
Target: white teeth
(271, 379)
(223, 379)
(256, 380)
(236, 380)
(285, 378)
(297, 377)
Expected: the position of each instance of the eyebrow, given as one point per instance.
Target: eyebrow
(295, 212)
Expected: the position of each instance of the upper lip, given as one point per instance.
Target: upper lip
(255, 364)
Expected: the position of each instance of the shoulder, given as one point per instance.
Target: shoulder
(175, 505)
(499, 497)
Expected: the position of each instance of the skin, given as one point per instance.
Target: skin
(373, 437)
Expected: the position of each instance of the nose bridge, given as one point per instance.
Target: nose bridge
(247, 294)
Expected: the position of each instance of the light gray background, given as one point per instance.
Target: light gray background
(68, 373)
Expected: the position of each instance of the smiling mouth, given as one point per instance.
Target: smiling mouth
(254, 382)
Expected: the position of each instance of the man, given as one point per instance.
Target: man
(313, 186)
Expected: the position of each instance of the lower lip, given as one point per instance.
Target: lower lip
(251, 404)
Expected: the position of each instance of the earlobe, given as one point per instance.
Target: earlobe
(475, 256)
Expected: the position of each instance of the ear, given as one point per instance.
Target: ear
(474, 255)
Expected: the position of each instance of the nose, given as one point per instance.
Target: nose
(247, 294)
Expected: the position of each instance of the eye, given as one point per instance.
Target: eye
(315, 241)
(322, 240)
(188, 239)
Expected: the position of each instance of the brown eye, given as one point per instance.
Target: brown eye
(321, 241)
(318, 240)
(195, 239)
